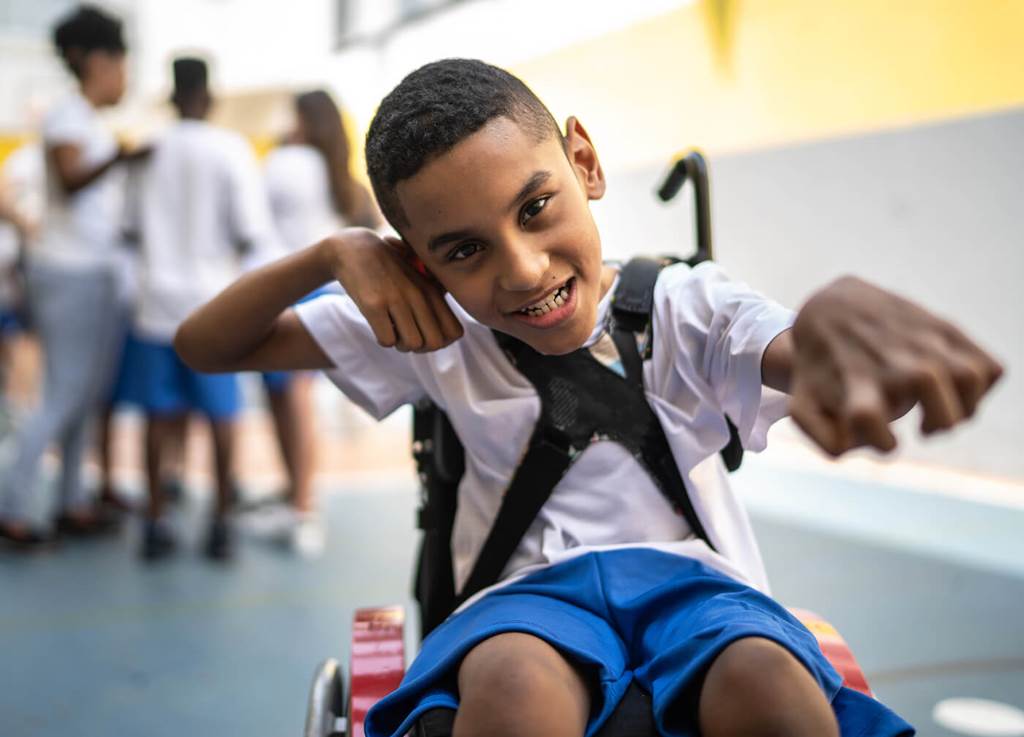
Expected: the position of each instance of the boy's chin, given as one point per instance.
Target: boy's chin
(554, 342)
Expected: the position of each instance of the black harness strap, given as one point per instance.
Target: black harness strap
(548, 457)
(583, 400)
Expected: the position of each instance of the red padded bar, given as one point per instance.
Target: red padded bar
(835, 649)
(378, 660)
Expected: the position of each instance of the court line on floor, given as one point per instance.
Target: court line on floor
(945, 668)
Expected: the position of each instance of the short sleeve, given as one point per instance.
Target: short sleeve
(69, 122)
(720, 329)
(378, 379)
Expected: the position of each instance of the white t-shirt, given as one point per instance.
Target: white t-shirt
(81, 230)
(22, 173)
(199, 200)
(710, 334)
(299, 189)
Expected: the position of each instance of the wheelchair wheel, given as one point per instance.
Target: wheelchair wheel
(325, 714)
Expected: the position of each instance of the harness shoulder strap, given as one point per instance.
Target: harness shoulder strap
(581, 398)
(633, 331)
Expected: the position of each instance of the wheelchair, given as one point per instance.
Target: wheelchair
(377, 652)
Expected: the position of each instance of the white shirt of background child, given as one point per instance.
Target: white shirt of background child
(710, 334)
(199, 197)
(299, 189)
(24, 174)
(81, 230)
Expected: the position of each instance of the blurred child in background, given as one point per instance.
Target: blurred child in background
(72, 276)
(312, 195)
(19, 216)
(201, 210)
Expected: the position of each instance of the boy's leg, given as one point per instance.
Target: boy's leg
(172, 472)
(160, 392)
(293, 418)
(756, 687)
(158, 541)
(223, 432)
(517, 684)
(105, 451)
(68, 315)
(721, 658)
(217, 396)
(113, 387)
(219, 542)
(160, 435)
(72, 498)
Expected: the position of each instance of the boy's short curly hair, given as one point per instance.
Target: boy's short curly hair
(436, 107)
(86, 29)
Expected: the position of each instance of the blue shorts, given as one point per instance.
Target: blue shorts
(125, 388)
(153, 377)
(10, 322)
(277, 381)
(622, 615)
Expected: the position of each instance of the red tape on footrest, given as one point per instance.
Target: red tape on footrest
(834, 647)
(378, 660)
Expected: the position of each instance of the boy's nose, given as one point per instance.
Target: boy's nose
(523, 269)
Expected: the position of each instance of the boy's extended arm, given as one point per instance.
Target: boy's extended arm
(73, 175)
(859, 357)
(249, 326)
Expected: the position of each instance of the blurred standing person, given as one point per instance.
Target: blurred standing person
(72, 276)
(312, 195)
(17, 228)
(201, 210)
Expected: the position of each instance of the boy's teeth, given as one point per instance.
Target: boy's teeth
(555, 300)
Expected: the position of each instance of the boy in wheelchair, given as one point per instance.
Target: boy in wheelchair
(635, 561)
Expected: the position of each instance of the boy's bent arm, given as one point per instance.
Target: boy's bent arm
(249, 326)
(859, 357)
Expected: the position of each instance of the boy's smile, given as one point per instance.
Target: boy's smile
(502, 220)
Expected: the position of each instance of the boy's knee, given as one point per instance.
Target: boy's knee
(512, 683)
(757, 687)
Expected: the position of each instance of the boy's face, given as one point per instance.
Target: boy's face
(503, 222)
(104, 71)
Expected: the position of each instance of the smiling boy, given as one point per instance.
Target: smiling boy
(609, 584)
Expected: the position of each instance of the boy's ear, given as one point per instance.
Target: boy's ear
(583, 158)
(409, 255)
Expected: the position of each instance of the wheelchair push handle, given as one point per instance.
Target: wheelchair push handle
(692, 167)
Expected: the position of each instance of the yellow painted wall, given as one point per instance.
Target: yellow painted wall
(740, 74)
(778, 71)
(249, 114)
(9, 142)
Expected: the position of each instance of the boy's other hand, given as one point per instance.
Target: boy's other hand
(863, 357)
(405, 308)
(132, 154)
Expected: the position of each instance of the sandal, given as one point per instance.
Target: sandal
(25, 539)
(85, 524)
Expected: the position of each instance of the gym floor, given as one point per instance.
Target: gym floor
(928, 589)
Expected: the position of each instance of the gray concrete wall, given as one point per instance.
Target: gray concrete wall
(934, 212)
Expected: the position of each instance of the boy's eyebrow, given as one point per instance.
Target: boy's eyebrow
(533, 183)
(445, 238)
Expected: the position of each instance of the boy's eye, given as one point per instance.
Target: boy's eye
(463, 251)
(533, 209)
